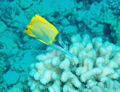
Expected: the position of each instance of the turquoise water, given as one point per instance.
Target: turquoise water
(28, 65)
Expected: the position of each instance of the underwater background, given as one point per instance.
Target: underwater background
(89, 30)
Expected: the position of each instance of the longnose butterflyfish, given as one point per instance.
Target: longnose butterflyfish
(44, 31)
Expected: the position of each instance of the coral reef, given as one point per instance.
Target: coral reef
(95, 66)
(101, 19)
(11, 77)
(12, 15)
(114, 5)
(2, 26)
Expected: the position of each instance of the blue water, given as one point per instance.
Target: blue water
(96, 18)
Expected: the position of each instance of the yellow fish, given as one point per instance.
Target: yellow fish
(42, 30)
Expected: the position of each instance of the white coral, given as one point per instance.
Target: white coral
(95, 63)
